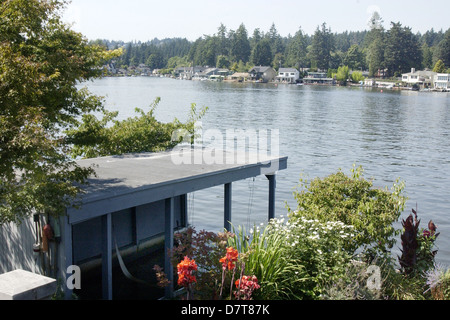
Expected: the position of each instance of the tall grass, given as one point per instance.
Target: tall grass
(266, 256)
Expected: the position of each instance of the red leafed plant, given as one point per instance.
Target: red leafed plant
(417, 252)
(245, 287)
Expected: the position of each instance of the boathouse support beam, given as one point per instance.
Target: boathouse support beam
(168, 244)
(68, 252)
(227, 207)
(272, 187)
(107, 257)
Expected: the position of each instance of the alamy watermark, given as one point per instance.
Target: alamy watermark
(374, 280)
(229, 146)
(73, 281)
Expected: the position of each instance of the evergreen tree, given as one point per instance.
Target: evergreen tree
(427, 55)
(222, 41)
(354, 58)
(322, 46)
(375, 52)
(256, 38)
(296, 51)
(443, 49)
(402, 51)
(240, 45)
(275, 40)
(262, 54)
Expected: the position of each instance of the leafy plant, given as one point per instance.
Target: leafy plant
(352, 285)
(143, 133)
(264, 252)
(354, 201)
(41, 63)
(417, 245)
(294, 258)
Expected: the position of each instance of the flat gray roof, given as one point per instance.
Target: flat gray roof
(131, 180)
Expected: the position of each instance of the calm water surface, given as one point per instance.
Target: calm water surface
(391, 134)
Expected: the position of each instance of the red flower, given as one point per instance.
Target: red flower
(245, 287)
(185, 271)
(229, 261)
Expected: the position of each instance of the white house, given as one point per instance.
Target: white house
(442, 81)
(424, 78)
(288, 75)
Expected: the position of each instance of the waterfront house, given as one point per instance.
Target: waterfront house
(423, 78)
(288, 75)
(262, 74)
(239, 76)
(442, 81)
(318, 78)
(188, 73)
(205, 74)
(133, 201)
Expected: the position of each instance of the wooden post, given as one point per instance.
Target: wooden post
(107, 257)
(227, 207)
(67, 229)
(168, 245)
(272, 187)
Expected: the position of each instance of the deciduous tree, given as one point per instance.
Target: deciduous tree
(41, 62)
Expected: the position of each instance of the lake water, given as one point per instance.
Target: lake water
(392, 134)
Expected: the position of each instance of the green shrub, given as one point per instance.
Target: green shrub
(354, 201)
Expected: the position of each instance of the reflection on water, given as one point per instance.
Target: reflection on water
(391, 134)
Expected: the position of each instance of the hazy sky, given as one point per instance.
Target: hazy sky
(143, 20)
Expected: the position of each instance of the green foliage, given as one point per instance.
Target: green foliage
(342, 74)
(41, 62)
(143, 133)
(296, 51)
(223, 62)
(376, 49)
(375, 54)
(402, 50)
(354, 58)
(240, 45)
(353, 201)
(439, 67)
(262, 54)
(322, 46)
(294, 259)
(264, 250)
(352, 285)
(442, 50)
(357, 76)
